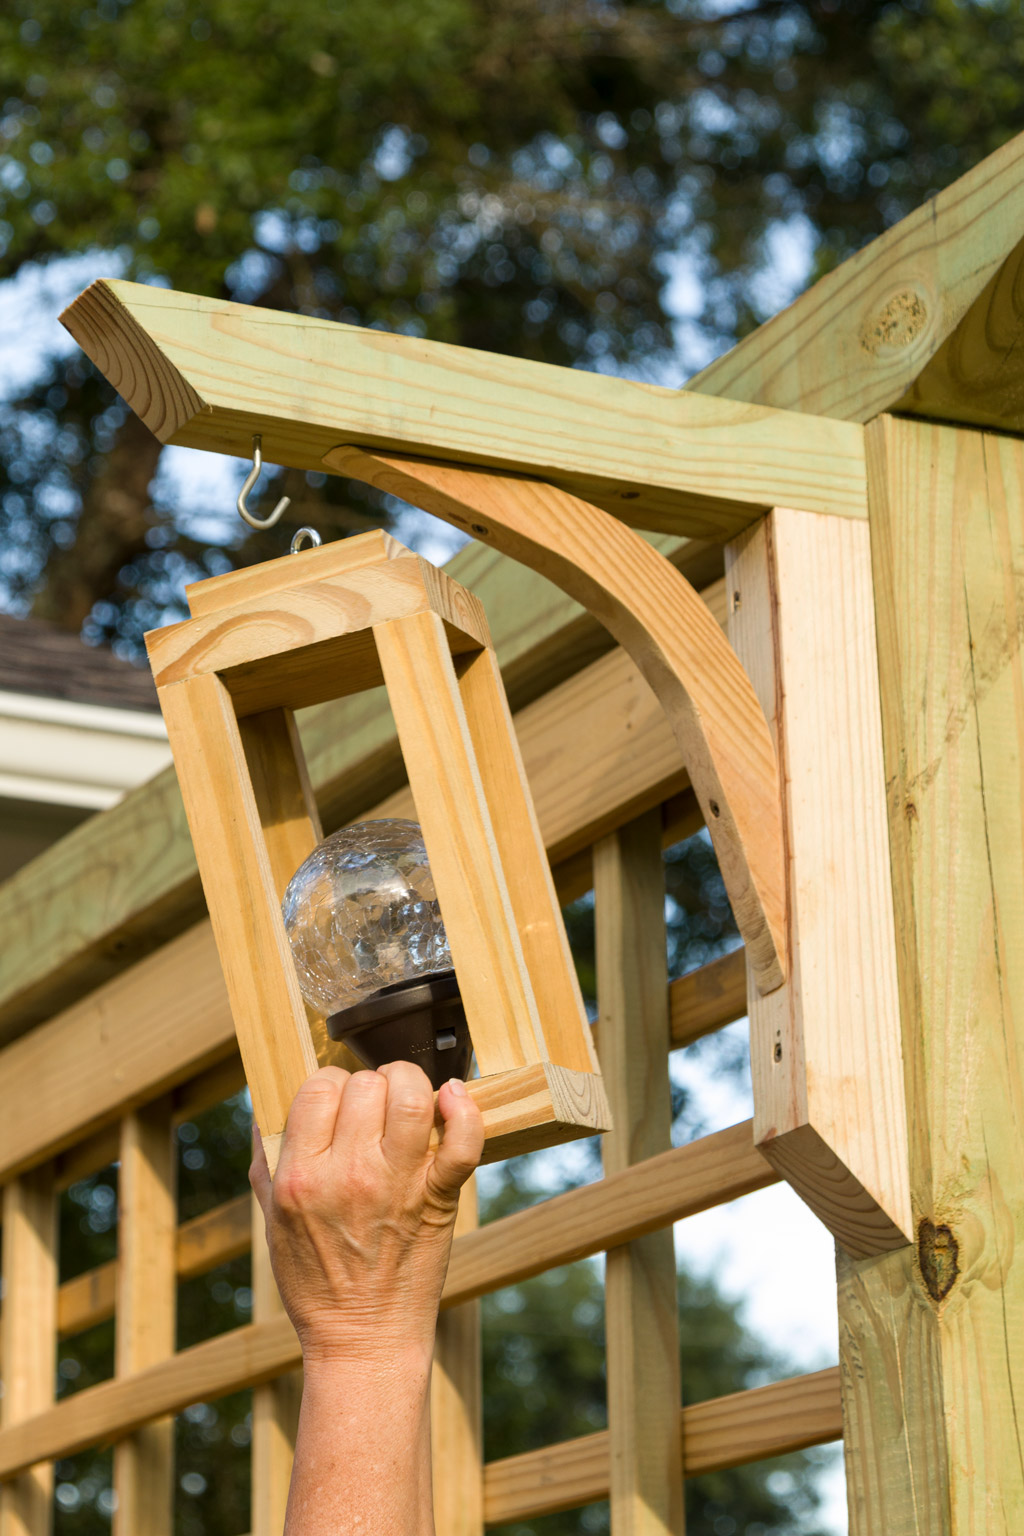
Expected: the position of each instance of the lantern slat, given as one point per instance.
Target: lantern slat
(269, 1014)
(275, 1404)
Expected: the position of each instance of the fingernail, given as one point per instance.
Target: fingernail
(457, 1086)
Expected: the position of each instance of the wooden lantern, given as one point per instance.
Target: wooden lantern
(319, 625)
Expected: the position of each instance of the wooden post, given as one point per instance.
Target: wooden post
(456, 1407)
(275, 1406)
(825, 1048)
(28, 1329)
(944, 1338)
(641, 1319)
(145, 1312)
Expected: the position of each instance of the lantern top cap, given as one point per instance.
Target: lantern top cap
(359, 549)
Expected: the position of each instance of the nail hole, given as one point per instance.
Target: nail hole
(778, 1051)
(480, 529)
(735, 601)
(713, 808)
(630, 495)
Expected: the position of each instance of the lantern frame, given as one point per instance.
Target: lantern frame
(322, 624)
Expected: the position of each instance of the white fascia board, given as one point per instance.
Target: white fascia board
(62, 753)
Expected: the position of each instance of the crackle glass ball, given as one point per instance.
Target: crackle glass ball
(361, 913)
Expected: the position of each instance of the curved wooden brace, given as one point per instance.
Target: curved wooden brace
(658, 618)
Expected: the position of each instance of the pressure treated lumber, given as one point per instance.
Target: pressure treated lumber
(927, 319)
(657, 617)
(28, 1339)
(715, 1435)
(664, 1189)
(699, 1002)
(641, 1309)
(95, 902)
(210, 374)
(275, 1404)
(145, 1311)
(826, 1052)
(948, 547)
(456, 1406)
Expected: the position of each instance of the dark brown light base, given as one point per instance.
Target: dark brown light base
(422, 1020)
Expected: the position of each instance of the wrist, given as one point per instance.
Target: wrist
(375, 1355)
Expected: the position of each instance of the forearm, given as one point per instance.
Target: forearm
(362, 1455)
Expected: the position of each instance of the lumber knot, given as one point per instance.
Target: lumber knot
(900, 320)
(938, 1255)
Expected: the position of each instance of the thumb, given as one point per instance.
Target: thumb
(462, 1141)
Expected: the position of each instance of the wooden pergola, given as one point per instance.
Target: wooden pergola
(845, 490)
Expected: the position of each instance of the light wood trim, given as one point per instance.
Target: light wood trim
(309, 641)
(520, 845)
(458, 829)
(657, 617)
(145, 1312)
(721, 1433)
(641, 1309)
(270, 1017)
(826, 1053)
(925, 319)
(209, 374)
(585, 1221)
(457, 1407)
(28, 1340)
(339, 558)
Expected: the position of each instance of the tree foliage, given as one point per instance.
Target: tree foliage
(524, 176)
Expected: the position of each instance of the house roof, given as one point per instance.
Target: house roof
(39, 658)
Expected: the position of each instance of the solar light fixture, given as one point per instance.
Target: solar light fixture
(406, 935)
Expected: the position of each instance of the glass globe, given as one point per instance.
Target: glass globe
(361, 914)
(371, 952)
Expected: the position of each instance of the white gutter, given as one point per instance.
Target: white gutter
(64, 753)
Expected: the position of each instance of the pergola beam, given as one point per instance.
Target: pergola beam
(209, 374)
(927, 320)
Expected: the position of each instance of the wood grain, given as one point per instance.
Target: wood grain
(826, 1051)
(651, 1194)
(458, 829)
(572, 1226)
(707, 998)
(209, 374)
(657, 617)
(28, 1340)
(309, 641)
(270, 1017)
(275, 1404)
(123, 882)
(721, 1433)
(948, 547)
(641, 1310)
(103, 896)
(457, 1407)
(146, 1290)
(925, 318)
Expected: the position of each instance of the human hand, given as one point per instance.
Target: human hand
(360, 1212)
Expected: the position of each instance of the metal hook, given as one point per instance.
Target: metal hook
(250, 481)
(300, 537)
